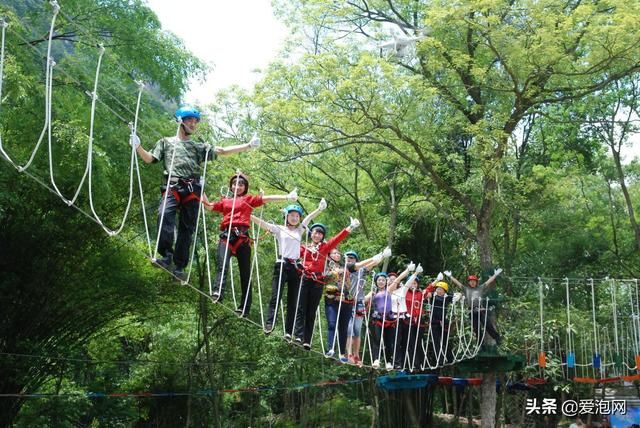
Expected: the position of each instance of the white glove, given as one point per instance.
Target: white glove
(411, 266)
(293, 195)
(497, 272)
(456, 297)
(322, 205)
(386, 253)
(354, 223)
(255, 142)
(447, 273)
(419, 269)
(134, 141)
(440, 277)
(377, 258)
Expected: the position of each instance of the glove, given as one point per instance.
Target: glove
(497, 272)
(354, 223)
(411, 267)
(447, 273)
(293, 195)
(255, 142)
(386, 253)
(322, 205)
(419, 269)
(440, 277)
(377, 258)
(134, 141)
(456, 297)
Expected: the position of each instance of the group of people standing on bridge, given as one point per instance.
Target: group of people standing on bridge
(399, 313)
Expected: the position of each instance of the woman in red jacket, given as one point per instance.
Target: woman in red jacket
(314, 258)
(234, 235)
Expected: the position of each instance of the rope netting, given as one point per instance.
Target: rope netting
(424, 330)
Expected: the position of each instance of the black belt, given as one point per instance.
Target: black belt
(176, 180)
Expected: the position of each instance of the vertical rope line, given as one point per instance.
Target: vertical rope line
(615, 315)
(541, 298)
(593, 311)
(569, 345)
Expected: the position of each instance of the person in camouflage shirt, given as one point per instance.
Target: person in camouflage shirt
(182, 158)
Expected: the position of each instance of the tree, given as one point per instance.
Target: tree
(479, 68)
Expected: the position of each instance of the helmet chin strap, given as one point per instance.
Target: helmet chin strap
(185, 130)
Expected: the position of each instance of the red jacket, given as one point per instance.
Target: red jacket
(314, 261)
(241, 213)
(414, 300)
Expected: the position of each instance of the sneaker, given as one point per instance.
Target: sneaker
(163, 262)
(389, 366)
(298, 341)
(216, 296)
(287, 337)
(241, 313)
(180, 274)
(268, 329)
(330, 353)
(376, 364)
(344, 359)
(306, 346)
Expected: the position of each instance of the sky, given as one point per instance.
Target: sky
(235, 37)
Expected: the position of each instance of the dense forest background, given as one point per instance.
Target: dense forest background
(489, 133)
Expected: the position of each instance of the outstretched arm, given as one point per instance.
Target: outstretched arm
(492, 280)
(313, 214)
(263, 224)
(410, 268)
(375, 260)
(291, 196)
(453, 279)
(224, 151)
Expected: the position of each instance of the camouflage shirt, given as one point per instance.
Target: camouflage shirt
(188, 158)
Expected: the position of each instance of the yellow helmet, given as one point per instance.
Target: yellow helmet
(442, 285)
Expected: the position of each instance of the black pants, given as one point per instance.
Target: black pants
(387, 334)
(400, 340)
(414, 335)
(310, 295)
(479, 323)
(439, 344)
(243, 255)
(186, 223)
(284, 273)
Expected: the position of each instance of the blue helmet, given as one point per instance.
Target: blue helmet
(186, 111)
(320, 226)
(293, 207)
(353, 254)
(378, 275)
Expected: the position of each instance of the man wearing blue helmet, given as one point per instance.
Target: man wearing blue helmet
(286, 269)
(182, 158)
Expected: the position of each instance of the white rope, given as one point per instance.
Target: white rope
(47, 92)
(226, 248)
(614, 303)
(255, 233)
(119, 229)
(199, 201)
(593, 311)
(163, 204)
(570, 346)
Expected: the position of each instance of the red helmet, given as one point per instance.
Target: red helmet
(472, 278)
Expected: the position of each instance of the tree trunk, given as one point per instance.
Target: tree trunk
(627, 197)
(488, 401)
